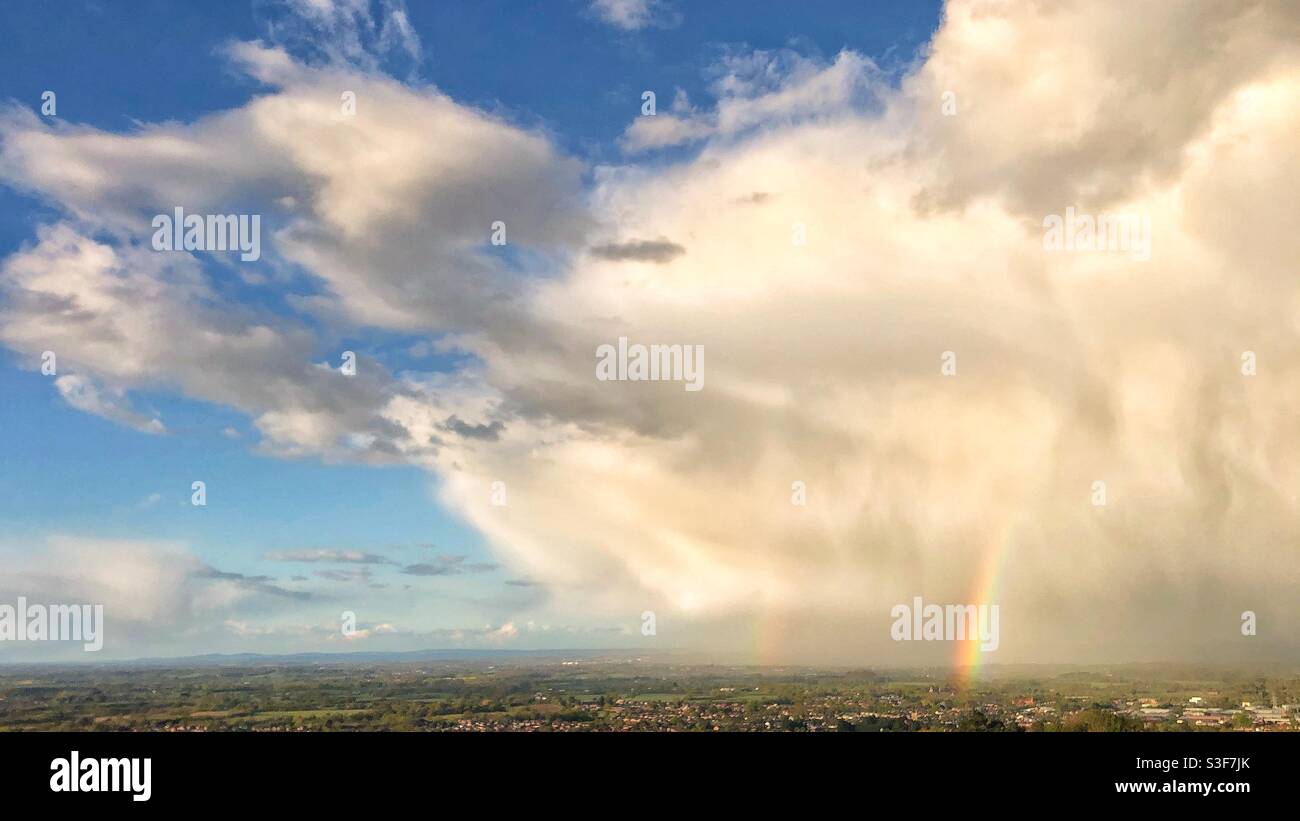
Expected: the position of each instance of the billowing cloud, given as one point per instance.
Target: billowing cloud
(154, 594)
(894, 233)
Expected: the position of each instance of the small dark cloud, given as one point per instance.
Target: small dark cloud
(259, 584)
(448, 566)
(658, 251)
(488, 433)
(521, 582)
(756, 198)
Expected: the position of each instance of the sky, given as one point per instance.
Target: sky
(907, 391)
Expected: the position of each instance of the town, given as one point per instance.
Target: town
(622, 694)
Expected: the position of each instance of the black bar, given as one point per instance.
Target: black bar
(335, 770)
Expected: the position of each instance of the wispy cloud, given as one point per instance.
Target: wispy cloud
(631, 15)
(362, 33)
(111, 403)
(351, 575)
(329, 555)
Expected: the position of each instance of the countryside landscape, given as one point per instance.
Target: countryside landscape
(597, 693)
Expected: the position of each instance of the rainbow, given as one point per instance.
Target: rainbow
(769, 637)
(968, 656)
(768, 629)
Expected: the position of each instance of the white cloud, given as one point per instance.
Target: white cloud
(122, 318)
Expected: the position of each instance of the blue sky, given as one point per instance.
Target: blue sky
(555, 64)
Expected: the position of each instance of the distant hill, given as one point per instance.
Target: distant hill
(365, 657)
